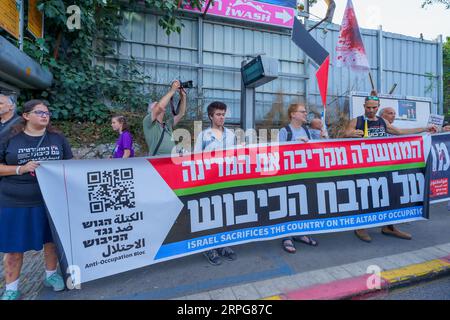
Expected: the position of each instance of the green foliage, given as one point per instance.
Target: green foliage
(85, 133)
(446, 59)
(84, 90)
(170, 21)
(446, 62)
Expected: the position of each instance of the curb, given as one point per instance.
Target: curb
(358, 286)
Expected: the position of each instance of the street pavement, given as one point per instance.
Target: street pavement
(438, 289)
(262, 269)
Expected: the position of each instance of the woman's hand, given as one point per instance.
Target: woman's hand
(31, 166)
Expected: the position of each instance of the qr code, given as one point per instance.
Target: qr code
(111, 190)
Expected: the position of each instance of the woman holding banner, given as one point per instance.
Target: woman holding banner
(23, 218)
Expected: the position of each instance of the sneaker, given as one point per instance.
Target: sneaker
(11, 295)
(55, 281)
(213, 257)
(227, 253)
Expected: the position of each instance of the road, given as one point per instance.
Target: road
(438, 289)
(259, 261)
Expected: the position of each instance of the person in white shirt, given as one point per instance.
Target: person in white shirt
(214, 138)
(217, 136)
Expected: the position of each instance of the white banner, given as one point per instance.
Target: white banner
(95, 234)
(111, 216)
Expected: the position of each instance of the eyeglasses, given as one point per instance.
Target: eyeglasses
(42, 113)
(301, 111)
(374, 98)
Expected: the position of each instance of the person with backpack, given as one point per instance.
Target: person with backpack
(297, 131)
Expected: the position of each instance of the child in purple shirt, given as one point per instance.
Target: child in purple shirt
(124, 144)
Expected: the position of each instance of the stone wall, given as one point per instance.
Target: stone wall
(101, 151)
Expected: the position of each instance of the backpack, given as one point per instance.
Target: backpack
(290, 133)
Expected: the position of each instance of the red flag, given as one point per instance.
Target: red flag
(303, 39)
(350, 47)
(322, 80)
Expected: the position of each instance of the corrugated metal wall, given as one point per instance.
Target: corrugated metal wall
(209, 52)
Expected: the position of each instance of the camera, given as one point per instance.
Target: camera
(187, 84)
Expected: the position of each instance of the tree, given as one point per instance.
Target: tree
(82, 89)
(170, 21)
(446, 62)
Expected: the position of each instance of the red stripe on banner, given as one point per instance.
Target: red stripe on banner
(277, 160)
(322, 79)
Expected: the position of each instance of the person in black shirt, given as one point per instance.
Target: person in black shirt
(23, 218)
(369, 126)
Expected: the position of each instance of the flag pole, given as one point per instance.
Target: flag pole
(206, 9)
(371, 81)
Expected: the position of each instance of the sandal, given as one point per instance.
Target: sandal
(288, 246)
(307, 240)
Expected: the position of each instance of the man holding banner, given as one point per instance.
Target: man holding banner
(388, 114)
(297, 131)
(214, 138)
(370, 125)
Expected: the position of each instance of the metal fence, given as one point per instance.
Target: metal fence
(209, 51)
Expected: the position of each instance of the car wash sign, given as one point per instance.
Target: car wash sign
(278, 13)
(111, 216)
(439, 169)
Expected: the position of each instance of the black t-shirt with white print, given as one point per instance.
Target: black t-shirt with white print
(375, 128)
(23, 190)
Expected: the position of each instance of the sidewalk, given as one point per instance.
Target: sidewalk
(335, 269)
(33, 273)
(342, 282)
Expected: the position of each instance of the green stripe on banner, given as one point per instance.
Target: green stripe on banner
(298, 176)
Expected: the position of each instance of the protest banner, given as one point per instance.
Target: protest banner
(438, 170)
(111, 216)
(437, 120)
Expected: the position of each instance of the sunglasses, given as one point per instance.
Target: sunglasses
(374, 98)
